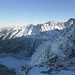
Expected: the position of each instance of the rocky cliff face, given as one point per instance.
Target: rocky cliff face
(59, 53)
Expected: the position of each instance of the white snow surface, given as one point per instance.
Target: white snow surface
(57, 47)
(12, 62)
(37, 71)
(17, 31)
(63, 72)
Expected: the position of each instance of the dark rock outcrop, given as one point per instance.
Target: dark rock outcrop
(6, 71)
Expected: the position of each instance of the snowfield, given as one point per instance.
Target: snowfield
(63, 72)
(38, 71)
(12, 62)
(49, 47)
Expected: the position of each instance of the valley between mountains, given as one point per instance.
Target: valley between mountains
(42, 49)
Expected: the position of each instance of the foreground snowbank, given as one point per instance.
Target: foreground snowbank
(65, 73)
(44, 71)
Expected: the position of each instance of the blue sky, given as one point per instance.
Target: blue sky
(23, 12)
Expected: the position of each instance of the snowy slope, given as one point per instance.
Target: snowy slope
(26, 39)
(12, 62)
(43, 71)
(47, 44)
(17, 31)
(59, 53)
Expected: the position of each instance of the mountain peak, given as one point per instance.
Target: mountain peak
(71, 21)
(49, 22)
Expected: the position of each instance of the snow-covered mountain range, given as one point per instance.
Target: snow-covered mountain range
(51, 44)
(58, 54)
(26, 39)
(55, 52)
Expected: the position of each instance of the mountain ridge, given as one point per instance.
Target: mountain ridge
(50, 45)
(60, 49)
(27, 38)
